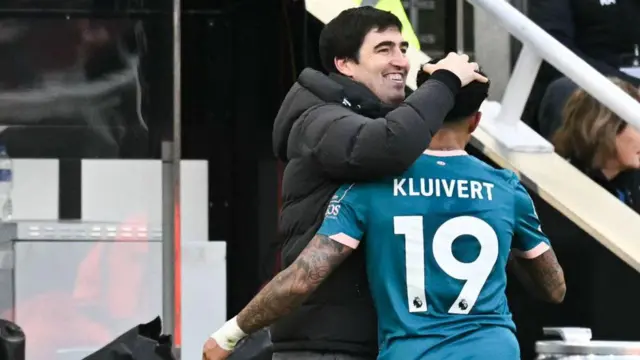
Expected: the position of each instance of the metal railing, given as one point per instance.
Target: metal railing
(538, 45)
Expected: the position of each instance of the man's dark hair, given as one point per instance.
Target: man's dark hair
(468, 99)
(343, 36)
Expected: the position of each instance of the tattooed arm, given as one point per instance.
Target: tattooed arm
(542, 276)
(341, 231)
(294, 284)
(535, 263)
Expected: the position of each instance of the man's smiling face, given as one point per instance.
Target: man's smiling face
(382, 65)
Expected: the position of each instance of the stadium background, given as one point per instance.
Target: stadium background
(87, 99)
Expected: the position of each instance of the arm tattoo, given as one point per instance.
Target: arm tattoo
(292, 286)
(542, 276)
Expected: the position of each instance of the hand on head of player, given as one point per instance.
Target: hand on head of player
(458, 64)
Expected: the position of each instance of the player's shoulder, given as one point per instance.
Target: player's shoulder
(515, 190)
(352, 192)
(506, 176)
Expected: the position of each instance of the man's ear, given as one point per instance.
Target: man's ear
(475, 121)
(344, 66)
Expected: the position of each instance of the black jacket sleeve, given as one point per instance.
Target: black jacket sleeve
(352, 147)
(556, 18)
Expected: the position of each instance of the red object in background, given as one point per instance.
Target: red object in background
(107, 288)
(118, 293)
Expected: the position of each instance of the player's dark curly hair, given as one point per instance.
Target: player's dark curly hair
(468, 99)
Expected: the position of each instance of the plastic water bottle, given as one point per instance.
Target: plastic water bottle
(6, 184)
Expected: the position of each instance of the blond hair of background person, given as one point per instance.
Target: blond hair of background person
(596, 139)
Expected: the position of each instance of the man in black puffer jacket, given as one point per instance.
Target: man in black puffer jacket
(352, 125)
(349, 126)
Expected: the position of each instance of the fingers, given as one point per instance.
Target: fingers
(458, 64)
(452, 54)
(430, 68)
(479, 78)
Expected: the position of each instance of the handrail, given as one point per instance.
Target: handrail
(563, 59)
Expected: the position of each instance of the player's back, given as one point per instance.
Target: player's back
(437, 243)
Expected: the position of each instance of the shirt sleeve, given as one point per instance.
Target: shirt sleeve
(345, 218)
(352, 147)
(528, 241)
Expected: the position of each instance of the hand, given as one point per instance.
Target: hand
(211, 351)
(458, 64)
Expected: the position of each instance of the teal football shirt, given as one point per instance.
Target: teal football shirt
(437, 240)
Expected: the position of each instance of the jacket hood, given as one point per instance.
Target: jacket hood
(314, 88)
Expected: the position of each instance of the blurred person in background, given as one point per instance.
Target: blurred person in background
(601, 145)
(601, 32)
(354, 124)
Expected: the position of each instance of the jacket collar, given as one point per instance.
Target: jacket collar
(337, 88)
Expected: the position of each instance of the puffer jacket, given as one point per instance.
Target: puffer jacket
(331, 130)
